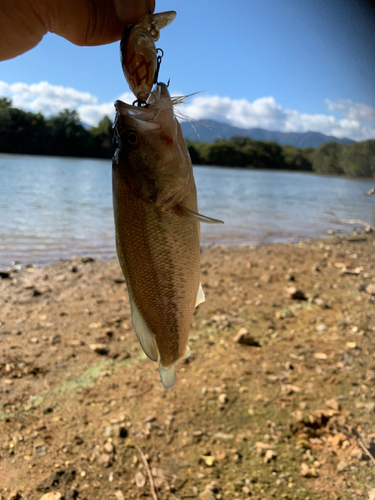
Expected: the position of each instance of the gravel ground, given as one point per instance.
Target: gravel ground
(276, 401)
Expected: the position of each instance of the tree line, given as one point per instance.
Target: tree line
(23, 132)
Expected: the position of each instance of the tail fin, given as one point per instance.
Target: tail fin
(168, 374)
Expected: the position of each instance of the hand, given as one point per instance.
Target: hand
(23, 23)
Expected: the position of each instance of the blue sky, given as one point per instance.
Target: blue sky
(290, 65)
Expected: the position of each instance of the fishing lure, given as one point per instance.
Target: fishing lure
(140, 60)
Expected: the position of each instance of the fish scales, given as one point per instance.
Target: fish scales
(159, 255)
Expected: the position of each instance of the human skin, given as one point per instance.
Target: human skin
(23, 23)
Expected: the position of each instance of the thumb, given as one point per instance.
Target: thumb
(95, 22)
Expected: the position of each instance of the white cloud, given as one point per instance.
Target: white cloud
(344, 118)
(44, 97)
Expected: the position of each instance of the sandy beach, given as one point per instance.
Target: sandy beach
(276, 401)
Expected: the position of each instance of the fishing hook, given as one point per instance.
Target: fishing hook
(158, 62)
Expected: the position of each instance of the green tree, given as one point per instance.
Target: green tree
(102, 136)
(296, 159)
(327, 159)
(68, 136)
(359, 159)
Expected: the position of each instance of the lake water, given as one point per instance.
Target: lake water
(54, 208)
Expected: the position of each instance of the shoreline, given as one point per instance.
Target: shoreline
(208, 245)
(252, 169)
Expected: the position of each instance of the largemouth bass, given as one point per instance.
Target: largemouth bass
(157, 227)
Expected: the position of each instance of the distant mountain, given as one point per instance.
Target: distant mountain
(210, 130)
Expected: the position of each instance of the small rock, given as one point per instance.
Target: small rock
(371, 494)
(269, 456)
(52, 495)
(85, 260)
(320, 355)
(370, 289)
(213, 486)
(105, 460)
(357, 453)
(207, 495)
(119, 495)
(244, 337)
(208, 460)
(338, 439)
(321, 303)
(140, 479)
(333, 404)
(223, 398)
(342, 466)
(307, 471)
(72, 494)
(295, 294)
(14, 495)
(100, 348)
(321, 328)
(370, 407)
(108, 447)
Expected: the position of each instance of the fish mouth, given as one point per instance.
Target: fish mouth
(142, 116)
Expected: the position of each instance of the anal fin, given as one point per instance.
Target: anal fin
(145, 337)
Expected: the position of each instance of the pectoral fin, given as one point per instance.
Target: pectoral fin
(145, 337)
(186, 212)
(200, 296)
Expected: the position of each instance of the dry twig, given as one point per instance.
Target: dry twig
(147, 467)
(364, 448)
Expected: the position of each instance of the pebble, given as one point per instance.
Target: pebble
(295, 293)
(207, 495)
(223, 398)
(321, 328)
(244, 337)
(105, 460)
(119, 495)
(333, 404)
(52, 495)
(14, 495)
(269, 456)
(108, 447)
(321, 303)
(370, 289)
(100, 348)
(140, 479)
(342, 466)
(208, 460)
(307, 471)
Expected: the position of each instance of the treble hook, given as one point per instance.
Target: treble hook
(158, 62)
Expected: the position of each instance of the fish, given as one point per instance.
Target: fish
(138, 53)
(157, 227)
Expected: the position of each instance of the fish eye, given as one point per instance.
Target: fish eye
(131, 137)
